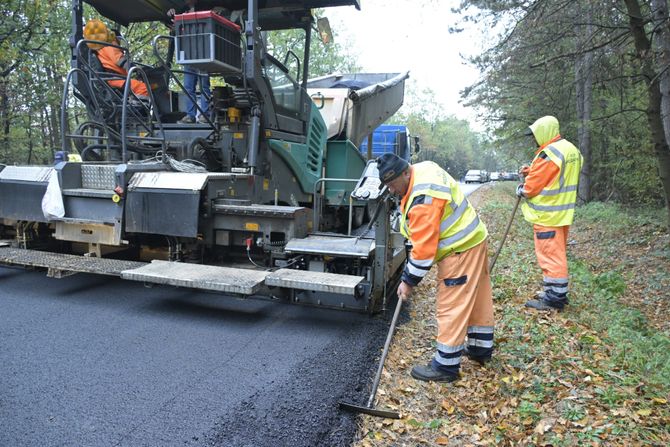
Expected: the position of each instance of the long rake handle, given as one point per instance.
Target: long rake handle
(502, 242)
(378, 376)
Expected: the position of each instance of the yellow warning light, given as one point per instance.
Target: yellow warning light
(250, 226)
(238, 135)
(234, 114)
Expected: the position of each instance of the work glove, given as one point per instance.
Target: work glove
(519, 190)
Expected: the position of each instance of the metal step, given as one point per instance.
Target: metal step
(60, 264)
(199, 276)
(89, 192)
(314, 281)
(258, 210)
(332, 246)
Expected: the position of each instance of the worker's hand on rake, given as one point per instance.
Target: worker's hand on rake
(523, 171)
(404, 291)
(519, 191)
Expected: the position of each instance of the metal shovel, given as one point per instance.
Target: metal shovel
(369, 409)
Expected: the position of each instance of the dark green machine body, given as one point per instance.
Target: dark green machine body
(257, 200)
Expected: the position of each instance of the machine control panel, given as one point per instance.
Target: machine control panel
(369, 186)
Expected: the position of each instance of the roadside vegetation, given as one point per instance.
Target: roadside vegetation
(596, 374)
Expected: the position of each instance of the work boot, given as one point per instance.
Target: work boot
(188, 119)
(429, 373)
(481, 359)
(542, 296)
(543, 305)
(202, 119)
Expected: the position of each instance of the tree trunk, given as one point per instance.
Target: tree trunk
(643, 48)
(4, 120)
(584, 94)
(54, 109)
(50, 132)
(662, 43)
(30, 142)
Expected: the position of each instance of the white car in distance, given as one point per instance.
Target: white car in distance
(476, 176)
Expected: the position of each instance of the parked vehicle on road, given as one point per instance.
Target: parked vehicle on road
(476, 176)
(509, 176)
(495, 176)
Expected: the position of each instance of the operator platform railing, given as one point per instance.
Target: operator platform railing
(317, 201)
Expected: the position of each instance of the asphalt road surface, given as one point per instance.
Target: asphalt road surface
(469, 187)
(97, 361)
(93, 361)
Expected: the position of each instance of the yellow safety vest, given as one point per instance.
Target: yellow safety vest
(555, 205)
(460, 227)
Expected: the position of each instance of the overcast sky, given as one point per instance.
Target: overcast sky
(401, 35)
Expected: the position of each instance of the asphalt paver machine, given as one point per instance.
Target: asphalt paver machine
(266, 196)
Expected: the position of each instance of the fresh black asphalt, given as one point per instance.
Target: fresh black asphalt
(96, 361)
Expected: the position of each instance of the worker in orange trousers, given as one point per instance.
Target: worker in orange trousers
(550, 190)
(444, 229)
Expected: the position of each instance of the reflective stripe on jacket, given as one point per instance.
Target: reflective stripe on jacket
(457, 227)
(554, 206)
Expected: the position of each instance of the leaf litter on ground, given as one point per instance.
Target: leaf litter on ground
(559, 379)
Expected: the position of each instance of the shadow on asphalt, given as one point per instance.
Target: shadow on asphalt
(91, 282)
(220, 312)
(10, 272)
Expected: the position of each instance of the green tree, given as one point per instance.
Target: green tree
(325, 59)
(446, 139)
(24, 29)
(589, 64)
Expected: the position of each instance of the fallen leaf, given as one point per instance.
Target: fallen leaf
(644, 412)
(659, 401)
(582, 422)
(544, 426)
(450, 409)
(442, 440)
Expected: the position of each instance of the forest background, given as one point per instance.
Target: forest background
(601, 67)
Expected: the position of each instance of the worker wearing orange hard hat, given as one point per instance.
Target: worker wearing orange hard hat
(112, 58)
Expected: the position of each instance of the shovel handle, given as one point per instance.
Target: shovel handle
(502, 242)
(378, 376)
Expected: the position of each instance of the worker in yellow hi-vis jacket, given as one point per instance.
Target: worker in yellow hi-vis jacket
(550, 190)
(444, 229)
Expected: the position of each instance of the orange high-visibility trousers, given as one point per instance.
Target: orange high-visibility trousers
(138, 87)
(464, 307)
(551, 253)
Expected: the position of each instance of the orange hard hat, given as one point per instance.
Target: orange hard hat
(96, 30)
